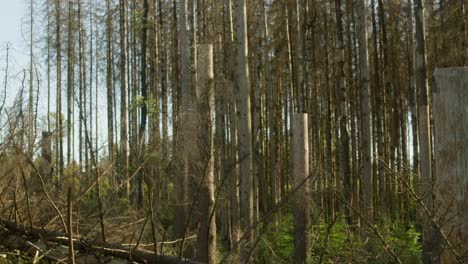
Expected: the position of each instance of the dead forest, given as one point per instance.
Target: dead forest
(236, 131)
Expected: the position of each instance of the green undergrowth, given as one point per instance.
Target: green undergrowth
(341, 243)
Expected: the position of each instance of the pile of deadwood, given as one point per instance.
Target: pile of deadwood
(53, 246)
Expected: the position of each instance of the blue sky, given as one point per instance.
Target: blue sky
(14, 29)
(12, 15)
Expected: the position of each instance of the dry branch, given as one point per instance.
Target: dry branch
(15, 237)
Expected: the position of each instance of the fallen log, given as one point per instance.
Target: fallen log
(34, 250)
(14, 241)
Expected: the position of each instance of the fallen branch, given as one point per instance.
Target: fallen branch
(11, 231)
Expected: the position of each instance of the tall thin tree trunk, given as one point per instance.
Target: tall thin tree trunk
(365, 108)
(328, 126)
(123, 97)
(144, 107)
(206, 238)
(429, 243)
(70, 80)
(181, 193)
(300, 159)
(233, 177)
(343, 119)
(110, 94)
(59, 140)
(244, 116)
(31, 93)
(164, 101)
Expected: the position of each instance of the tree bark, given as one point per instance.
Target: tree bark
(343, 113)
(110, 89)
(11, 238)
(181, 193)
(451, 159)
(365, 108)
(206, 237)
(300, 159)
(244, 116)
(123, 97)
(429, 247)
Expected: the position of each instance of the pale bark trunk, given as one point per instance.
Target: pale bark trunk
(451, 159)
(206, 237)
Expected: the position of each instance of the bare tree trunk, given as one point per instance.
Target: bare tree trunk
(365, 108)
(181, 193)
(233, 176)
(59, 140)
(164, 104)
(82, 91)
(70, 80)
(144, 107)
(328, 127)
(206, 237)
(123, 98)
(244, 116)
(344, 133)
(49, 40)
(175, 98)
(109, 85)
(300, 159)
(379, 103)
(134, 95)
(31, 93)
(429, 243)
